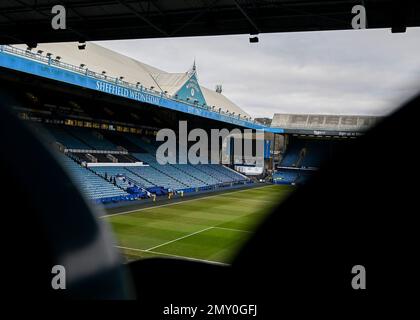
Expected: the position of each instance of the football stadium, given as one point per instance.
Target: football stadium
(100, 111)
(203, 159)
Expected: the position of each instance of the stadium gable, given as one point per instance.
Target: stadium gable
(191, 90)
(111, 64)
(170, 82)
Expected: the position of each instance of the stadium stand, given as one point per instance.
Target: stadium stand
(285, 177)
(80, 157)
(197, 173)
(306, 153)
(158, 178)
(229, 173)
(65, 138)
(121, 140)
(315, 152)
(93, 139)
(185, 178)
(105, 183)
(323, 122)
(147, 146)
(126, 158)
(303, 156)
(110, 147)
(152, 79)
(196, 176)
(208, 169)
(291, 158)
(94, 186)
(119, 173)
(292, 176)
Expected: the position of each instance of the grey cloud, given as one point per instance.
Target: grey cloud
(341, 72)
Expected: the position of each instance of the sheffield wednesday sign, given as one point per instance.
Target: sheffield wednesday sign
(126, 93)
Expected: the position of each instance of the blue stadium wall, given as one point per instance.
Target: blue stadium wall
(33, 67)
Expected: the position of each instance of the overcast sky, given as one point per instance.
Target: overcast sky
(331, 72)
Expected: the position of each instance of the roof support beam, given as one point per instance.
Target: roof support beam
(82, 36)
(197, 16)
(144, 19)
(247, 17)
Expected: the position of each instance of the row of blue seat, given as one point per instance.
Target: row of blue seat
(94, 186)
(306, 153)
(80, 138)
(285, 176)
(109, 183)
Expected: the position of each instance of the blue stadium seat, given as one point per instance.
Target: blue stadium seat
(96, 181)
(94, 186)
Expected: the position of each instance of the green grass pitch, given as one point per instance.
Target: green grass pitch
(212, 228)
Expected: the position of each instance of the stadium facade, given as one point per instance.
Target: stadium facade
(102, 111)
(104, 70)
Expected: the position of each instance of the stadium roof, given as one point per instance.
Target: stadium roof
(24, 21)
(323, 122)
(98, 59)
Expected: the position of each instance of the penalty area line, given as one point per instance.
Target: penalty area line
(151, 250)
(180, 238)
(231, 229)
(174, 256)
(194, 233)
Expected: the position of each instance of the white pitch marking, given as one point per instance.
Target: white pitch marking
(231, 229)
(180, 238)
(174, 255)
(150, 250)
(179, 202)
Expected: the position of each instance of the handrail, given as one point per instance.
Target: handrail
(113, 80)
(93, 151)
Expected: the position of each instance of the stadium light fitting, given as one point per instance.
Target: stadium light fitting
(81, 45)
(31, 44)
(254, 40)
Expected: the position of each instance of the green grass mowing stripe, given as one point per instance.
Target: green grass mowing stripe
(160, 239)
(241, 199)
(213, 244)
(180, 202)
(178, 239)
(142, 229)
(177, 219)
